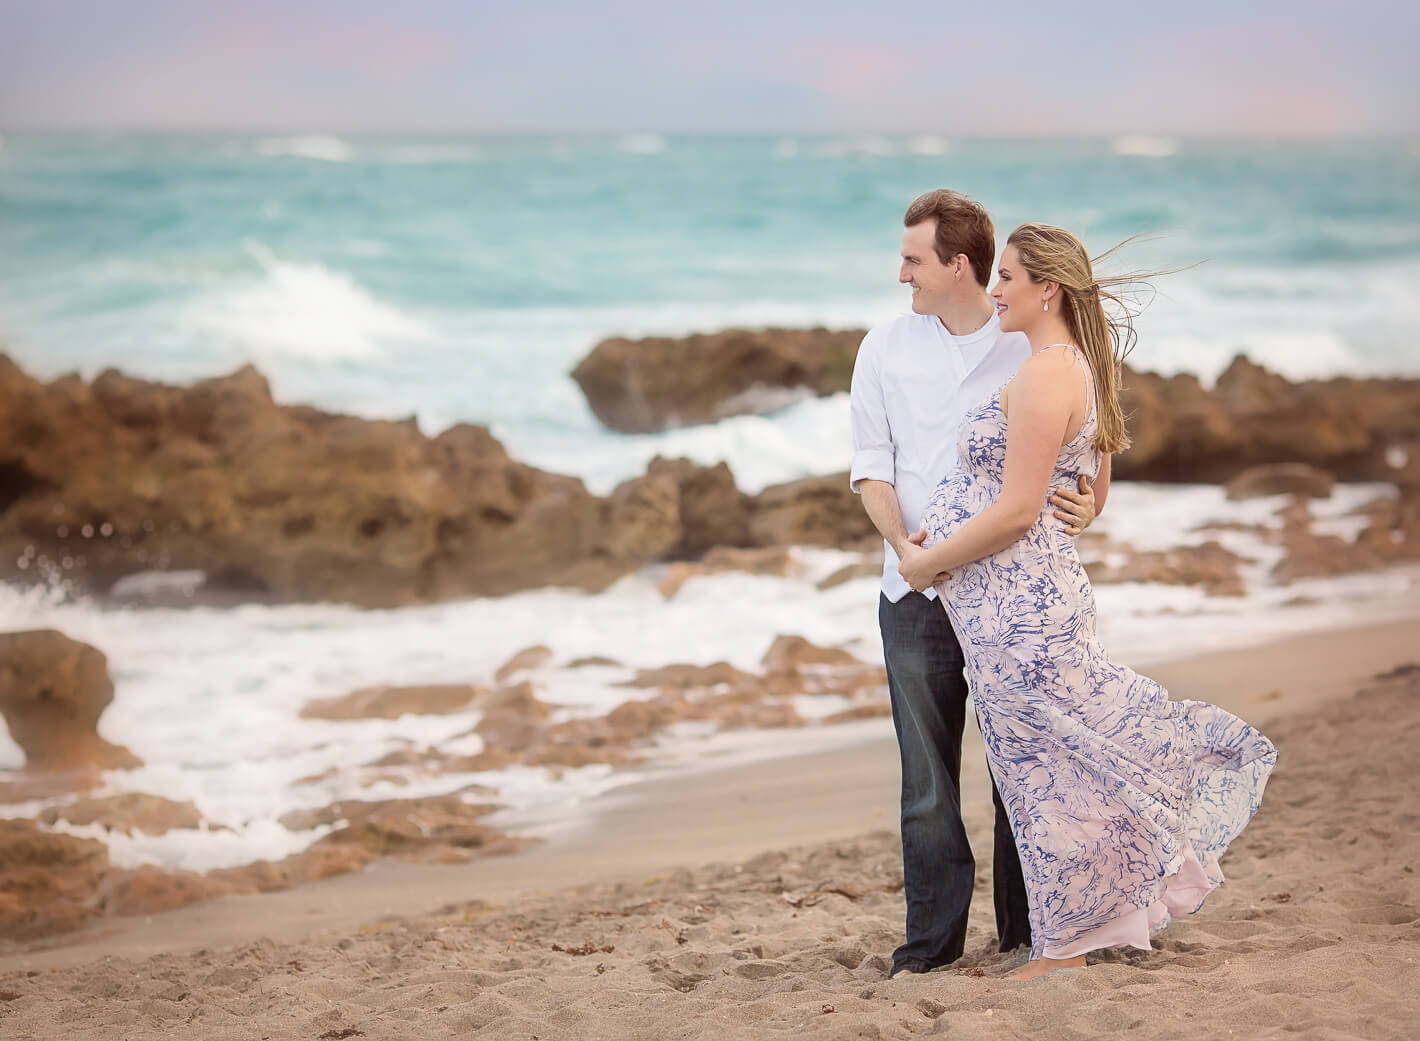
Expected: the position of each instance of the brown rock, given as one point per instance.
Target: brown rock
(402, 827)
(769, 560)
(790, 653)
(815, 511)
(129, 813)
(310, 865)
(1210, 565)
(713, 512)
(590, 660)
(1281, 479)
(642, 386)
(101, 481)
(46, 880)
(393, 702)
(644, 517)
(152, 890)
(687, 677)
(1309, 555)
(869, 567)
(527, 658)
(52, 692)
(520, 700)
(1254, 417)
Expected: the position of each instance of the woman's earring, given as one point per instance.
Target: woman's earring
(1047, 305)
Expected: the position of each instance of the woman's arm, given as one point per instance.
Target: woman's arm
(1042, 400)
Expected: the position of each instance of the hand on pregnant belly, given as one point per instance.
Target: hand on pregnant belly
(916, 566)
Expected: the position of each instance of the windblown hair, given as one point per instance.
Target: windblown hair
(1051, 254)
(962, 227)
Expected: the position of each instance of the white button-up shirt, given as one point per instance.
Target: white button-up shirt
(913, 383)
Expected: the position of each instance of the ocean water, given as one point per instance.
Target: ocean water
(461, 279)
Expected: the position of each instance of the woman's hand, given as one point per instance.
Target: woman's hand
(1076, 509)
(916, 564)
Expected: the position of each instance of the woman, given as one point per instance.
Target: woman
(1121, 801)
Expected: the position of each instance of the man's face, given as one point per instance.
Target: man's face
(930, 279)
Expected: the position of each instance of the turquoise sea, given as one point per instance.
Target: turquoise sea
(462, 278)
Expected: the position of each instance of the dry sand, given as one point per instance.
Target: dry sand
(1316, 935)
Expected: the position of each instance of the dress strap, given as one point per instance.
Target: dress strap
(1089, 380)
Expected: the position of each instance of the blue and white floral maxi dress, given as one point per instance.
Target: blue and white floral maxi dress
(1121, 801)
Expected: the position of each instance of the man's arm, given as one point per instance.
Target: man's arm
(880, 502)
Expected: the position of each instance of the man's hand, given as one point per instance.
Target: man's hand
(1076, 509)
(913, 570)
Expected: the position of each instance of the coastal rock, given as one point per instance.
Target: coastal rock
(527, 658)
(52, 692)
(1349, 428)
(130, 813)
(1309, 555)
(713, 511)
(46, 880)
(1281, 479)
(871, 566)
(425, 828)
(393, 702)
(791, 653)
(151, 890)
(770, 560)
(644, 386)
(814, 511)
(1211, 566)
(121, 477)
(520, 699)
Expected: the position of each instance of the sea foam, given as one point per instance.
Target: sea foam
(303, 310)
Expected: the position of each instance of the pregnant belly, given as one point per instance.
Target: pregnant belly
(955, 501)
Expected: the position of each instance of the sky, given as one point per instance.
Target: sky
(1203, 67)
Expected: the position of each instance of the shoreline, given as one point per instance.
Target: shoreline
(707, 816)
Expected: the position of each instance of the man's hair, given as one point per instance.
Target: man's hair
(962, 227)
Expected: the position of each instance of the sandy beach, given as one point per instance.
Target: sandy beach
(764, 901)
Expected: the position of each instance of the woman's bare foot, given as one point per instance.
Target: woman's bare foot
(1040, 966)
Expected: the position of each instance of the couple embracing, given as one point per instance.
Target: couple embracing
(982, 432)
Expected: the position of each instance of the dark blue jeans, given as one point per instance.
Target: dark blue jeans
(928, 691)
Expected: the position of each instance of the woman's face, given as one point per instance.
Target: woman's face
(1018, 299)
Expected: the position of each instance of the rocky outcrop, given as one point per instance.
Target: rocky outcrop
(1281, 479)
(47, 881)
(129, 813)
(52, 882)
(441, 828)
(52, 692)
(1210, 566)
(227, 494)
(642, 386)
(1350, 428)
(103, 480)
(1181, 431)
(518, 728)
(393, 702)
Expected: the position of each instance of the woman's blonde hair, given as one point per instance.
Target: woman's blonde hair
(1051, 254)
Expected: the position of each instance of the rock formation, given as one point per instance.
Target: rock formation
(52, 692)
(641, 386)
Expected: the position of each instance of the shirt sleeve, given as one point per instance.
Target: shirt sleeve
(873, 456)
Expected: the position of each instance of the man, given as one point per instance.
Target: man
(914, 379)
